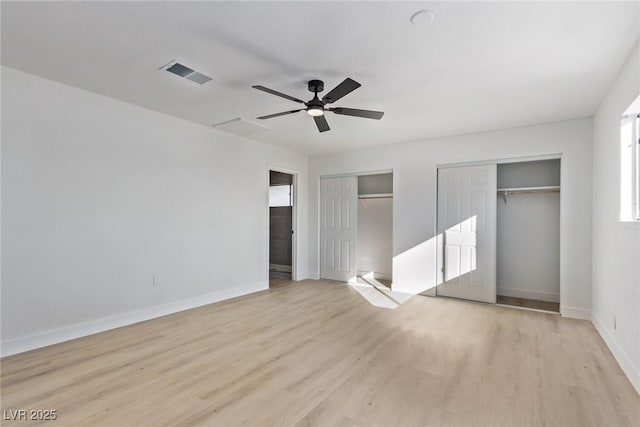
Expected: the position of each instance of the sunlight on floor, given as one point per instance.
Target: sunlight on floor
(378, 294)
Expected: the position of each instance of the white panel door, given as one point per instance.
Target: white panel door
(467, 230)
(338, 198)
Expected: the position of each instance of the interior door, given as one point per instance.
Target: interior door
(338, 198)
(467, 226)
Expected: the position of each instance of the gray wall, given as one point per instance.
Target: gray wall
(541, 173)
(280, 235)
(375, 184)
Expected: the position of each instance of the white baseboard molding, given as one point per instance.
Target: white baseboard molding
(376, 275)
(523, 293)
(632, 372)
(78, 330)
(575, 313)
(314, 276)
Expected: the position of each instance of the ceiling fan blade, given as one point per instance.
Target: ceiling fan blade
(276, 93)
(346, 87)
(367, 114)
(321, 122)
(284, 113)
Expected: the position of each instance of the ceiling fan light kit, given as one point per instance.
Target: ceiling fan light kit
(316, 107)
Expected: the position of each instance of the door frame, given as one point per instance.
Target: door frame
(318, 204)
(295, 212)
(518, 159)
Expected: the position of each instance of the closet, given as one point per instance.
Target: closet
(498, 233)
(528, 234)
(374, 230)
(356, 228)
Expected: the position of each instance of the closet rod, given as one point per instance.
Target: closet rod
(504, 192)
(501, 192)
(375, 196)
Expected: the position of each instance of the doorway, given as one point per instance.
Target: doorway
(281, 226)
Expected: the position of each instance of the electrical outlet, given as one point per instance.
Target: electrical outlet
(615, 323)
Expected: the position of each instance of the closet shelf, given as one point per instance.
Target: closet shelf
(504, 192)
(552, 188)
(376, 196)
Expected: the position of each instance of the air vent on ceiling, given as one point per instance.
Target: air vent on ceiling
(241, 127)
(186, 72)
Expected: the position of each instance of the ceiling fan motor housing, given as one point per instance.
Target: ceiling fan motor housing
(316, 86)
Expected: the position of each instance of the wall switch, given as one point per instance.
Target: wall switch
(155, 280)
(615, 323)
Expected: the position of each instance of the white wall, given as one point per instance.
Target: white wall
(414, 168)
(99, 196)
(374, 240)
(616, 245)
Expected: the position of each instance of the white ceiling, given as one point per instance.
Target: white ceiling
(477, 66)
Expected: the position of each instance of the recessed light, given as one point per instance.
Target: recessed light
(422, 17)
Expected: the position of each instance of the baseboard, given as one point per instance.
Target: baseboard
(575, 313)
(314, 276)
(77, 330)
(376, 275)
(522, 293)
(631, 371)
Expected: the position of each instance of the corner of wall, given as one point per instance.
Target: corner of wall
(618, 352)
(575, 313)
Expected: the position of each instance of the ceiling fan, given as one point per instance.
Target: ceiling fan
(316, 107)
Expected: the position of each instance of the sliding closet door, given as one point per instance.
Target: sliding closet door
(467, 226)
(338, 199)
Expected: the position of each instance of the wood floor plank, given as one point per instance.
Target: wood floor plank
(317, 353)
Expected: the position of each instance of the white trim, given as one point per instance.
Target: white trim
(348, 174)
(78, 330)
(632, 372)
(575, 313)
(501, 161)
(527, 294)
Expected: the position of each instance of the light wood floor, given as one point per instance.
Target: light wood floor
(316, 353)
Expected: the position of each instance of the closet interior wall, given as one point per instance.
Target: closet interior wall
(375, 225)
(528, 230)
